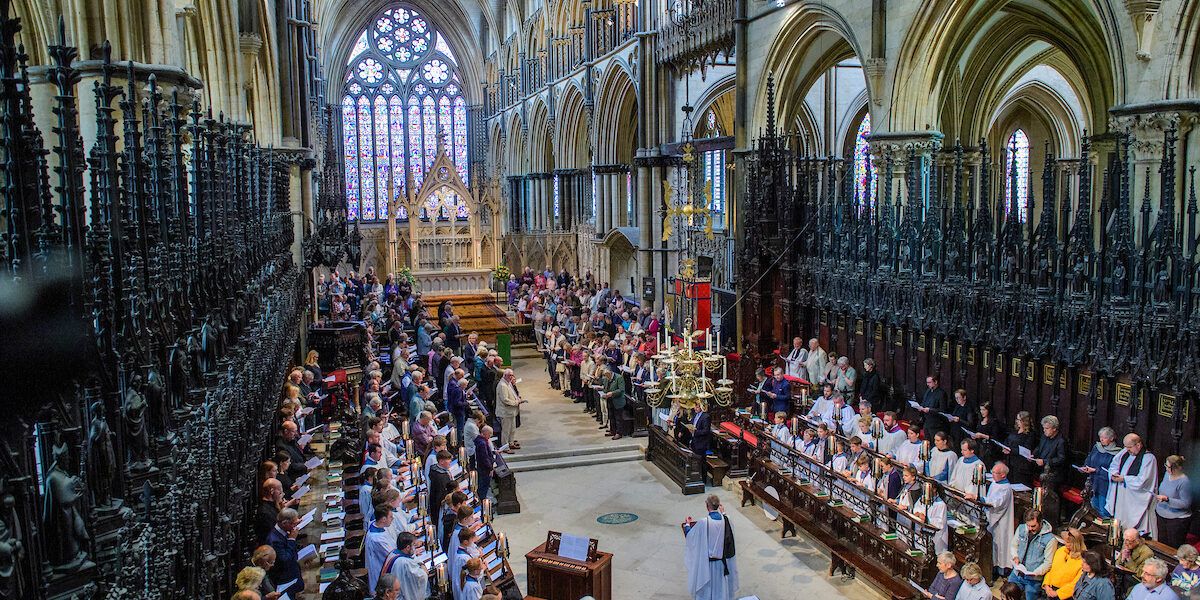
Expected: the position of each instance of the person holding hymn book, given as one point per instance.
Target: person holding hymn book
(709, 554)
(1022, 437)
(999, 502)
(890, 481)
(932, 510)
(1096, 468)
(973, 586)
(841, 457)
(402, 564)
(941, 458)
(283, 540)
(934, 405)
(1133, 477)
(962, 477)
(1066, 566)
(947, 582)
(796, 359)
(864, 434)
(824, 443)
(808, 445)
(464, 519)
(962, 414)
(391, 498)
(1031, 553)
(780, 392)
(845, 420)
(1174, 508)
(264, 558)
(378, 544)
(862, 473)
(821, 410)
(990, 428)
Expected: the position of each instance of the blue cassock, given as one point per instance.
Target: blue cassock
(783, 396)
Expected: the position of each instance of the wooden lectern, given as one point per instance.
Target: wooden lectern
(555, 577)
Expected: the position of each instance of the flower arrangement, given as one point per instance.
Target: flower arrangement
(501, 273)
(406, 275)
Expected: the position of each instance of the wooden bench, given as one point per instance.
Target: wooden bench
(717, 468)
(849, 561)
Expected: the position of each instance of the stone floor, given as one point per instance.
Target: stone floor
(647, 553)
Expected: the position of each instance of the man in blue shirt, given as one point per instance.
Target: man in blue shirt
(780, 394)
(1154, 583)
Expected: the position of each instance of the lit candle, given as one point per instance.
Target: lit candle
(416, 470)
(795, 426)
(408, 448)
(724, 365)
(473, 482)
(441, 576)
(422, 504)
(462, 457)
(453, 437)
(431, 539)
(502, 545)
(487, 510)
(404, 429)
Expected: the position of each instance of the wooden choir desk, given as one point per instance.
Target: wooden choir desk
(553, 577)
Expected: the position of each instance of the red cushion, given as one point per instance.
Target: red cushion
(732, 429)
(1073, 495)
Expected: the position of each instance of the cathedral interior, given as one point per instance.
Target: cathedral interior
(1001, 194)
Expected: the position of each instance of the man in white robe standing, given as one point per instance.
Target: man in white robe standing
(962, 477)
(1131, 495)
(414, 580)
(712, 570)
(817, 363)
(796, 360)
(999, 502)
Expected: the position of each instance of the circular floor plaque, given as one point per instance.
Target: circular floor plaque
(616, 518)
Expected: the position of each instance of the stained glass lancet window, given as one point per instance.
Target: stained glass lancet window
(1018, 145)
(402, 91)
(713, 162)
(864, 182)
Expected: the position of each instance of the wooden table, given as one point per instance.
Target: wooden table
(553, 577)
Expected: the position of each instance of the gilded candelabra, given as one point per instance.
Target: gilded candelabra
(687, 383)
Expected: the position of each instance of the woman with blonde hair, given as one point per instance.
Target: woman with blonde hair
(310, 363)
(1066, 566)
(1174, 508)
(1020, 471)
(249, 578)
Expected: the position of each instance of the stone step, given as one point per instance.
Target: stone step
(567, 462)
(585, 451)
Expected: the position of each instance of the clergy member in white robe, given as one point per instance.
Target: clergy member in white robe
(379, 543)
(1133, 473)
(941, 458)
(414, 579)
(962, 477)
(817, 363)
(711, 576)
(999, 501)
(822, 409)
(893, 434)
(796, 360)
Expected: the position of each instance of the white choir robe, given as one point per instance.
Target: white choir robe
(364, 503)
(817, 364)
(935, 515)
(1131, 502)
(784, 435)
(378, 545)
(847, 422)
(471, 589)
(706, 578)
(457, 561)
(1000, 520)
(892, 440)
(841, 462)
(414, 579)
(821, 410)
(390, 433)
(814, 449)
(906, 502)
(909, 453)
(795, 363)
(963, 472)
(941, 463)
(866, 481)
(400, 524)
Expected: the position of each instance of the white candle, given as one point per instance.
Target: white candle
(724, 368)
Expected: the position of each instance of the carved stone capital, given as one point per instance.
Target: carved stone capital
(250, 43)
(875, 68)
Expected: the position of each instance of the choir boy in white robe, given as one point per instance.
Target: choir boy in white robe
(711, 575)
(935, 515)
(841, 458)
(465, 552)
(781, 432)
(893, 434)
(999, 501)
(863, 477)
(401, 562)
(796, 360)
(963, 474)
(845, 420)
(1131, 495)
(941, 458)
(909, 452)
(822, 409)
(379, 543)
(864, 434)
(808, 444)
